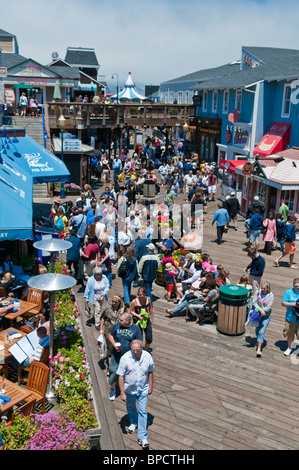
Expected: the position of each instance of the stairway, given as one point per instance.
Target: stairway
(34, 128)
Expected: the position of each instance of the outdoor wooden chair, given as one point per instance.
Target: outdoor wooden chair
(37, 384)
(35, 296)
(44, 360)
(25, 410)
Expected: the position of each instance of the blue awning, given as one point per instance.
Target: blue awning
(15, 202)
(35, 160)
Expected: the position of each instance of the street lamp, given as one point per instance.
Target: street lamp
(185, 129)
(116, 85)
(61, 125)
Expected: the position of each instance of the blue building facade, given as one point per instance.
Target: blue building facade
(245, 103)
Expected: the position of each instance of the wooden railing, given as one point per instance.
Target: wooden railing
(91, 115)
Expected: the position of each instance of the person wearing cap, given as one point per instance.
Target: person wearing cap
(106, 170)
(255, 206)
(117, 167)
(170, 274)
(96, 291)
(148, 267)
(233, 205)
(54, 208)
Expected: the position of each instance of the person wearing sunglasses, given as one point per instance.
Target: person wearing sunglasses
(290, 300)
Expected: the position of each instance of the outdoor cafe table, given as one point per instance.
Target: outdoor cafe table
(15, 392)
(5, 355)
(22, 310)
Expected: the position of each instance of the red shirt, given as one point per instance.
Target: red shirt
(91, 251)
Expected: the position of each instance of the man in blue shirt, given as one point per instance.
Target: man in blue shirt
(255, 268)
(135, 380)
(123, 332)
(73, 253)
(289, 235)
(117, 167)
(255, 227)
(221, 218)
(291, 328)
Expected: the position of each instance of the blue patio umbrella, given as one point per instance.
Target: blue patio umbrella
(15, 202)
(35, 160)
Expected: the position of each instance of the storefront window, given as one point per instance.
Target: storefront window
(205, 101)
(286, 102)
(245, 187)
(215, 101)
(238, 100)
(202, 147)
(225, 101)
(261, 192)
(288, 197)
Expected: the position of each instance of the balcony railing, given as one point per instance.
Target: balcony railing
(91, 115)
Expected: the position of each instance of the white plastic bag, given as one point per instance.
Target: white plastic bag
(101, 345)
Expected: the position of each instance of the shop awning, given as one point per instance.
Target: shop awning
(15, 202)
(35, 160)
(231, 165)
(275, 140)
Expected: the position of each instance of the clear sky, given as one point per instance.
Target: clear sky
(155, 40)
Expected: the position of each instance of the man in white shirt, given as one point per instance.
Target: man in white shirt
(163, 170)
(133, 223)
(135, 379)
(189, 181)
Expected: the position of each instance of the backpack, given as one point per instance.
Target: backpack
(123, 268)
(59, 225)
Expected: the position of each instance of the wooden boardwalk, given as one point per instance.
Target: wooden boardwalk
(210, 390)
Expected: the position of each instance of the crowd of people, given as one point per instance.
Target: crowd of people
(111, 230)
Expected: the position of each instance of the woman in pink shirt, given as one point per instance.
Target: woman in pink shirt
(205, 263)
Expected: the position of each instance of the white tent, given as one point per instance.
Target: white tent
(129, 93)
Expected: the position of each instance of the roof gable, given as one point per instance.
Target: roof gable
(31, 68)
(81, 57)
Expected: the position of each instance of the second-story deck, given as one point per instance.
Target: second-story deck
(92, 116)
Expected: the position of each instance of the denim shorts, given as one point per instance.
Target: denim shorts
(254, 236)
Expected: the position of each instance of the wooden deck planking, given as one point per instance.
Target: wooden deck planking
(210, 391)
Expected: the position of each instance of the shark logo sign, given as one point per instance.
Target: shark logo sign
(34, 163)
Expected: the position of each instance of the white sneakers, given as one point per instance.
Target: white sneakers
(143, 443)
(287, 352)
(132, 428)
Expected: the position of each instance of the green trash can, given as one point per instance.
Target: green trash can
(232, 310)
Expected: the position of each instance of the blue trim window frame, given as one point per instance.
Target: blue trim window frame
(205, 101)
(288, 196)
(214, 101)
(225, 101)
(238, 101)
(286, 101)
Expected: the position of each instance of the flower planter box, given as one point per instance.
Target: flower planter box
(94, 438)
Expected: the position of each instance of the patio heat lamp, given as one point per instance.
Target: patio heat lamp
(52, 282)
